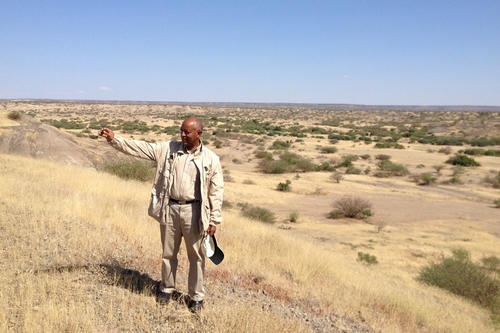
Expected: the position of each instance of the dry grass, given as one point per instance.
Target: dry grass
(68, 234)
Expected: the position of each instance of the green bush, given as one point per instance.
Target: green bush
(367, 258)
(459, 275)
(137, 169)
(345, 163)
(389, 145)
(389, 168)
(328, 150)
(462, 160)
(258, 213)
(496, 202)
(426, 178)
(281, 145)
(284, 187)
(263, 154)
(14, 115)
(383, 157)
(352, 170)
(325, 166)
(293, 217)
(365, 156)
(66, 124)
(288, 162)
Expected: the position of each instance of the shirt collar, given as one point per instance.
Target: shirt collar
(196, 152)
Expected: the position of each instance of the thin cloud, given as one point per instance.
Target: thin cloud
(81, 92)
(104, 88)
(347, 76)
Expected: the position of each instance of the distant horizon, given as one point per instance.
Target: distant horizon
(337, 106)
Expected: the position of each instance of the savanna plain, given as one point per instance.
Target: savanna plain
(334, 221)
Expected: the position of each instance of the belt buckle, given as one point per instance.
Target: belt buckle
(182, 202)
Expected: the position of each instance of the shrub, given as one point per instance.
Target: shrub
(388, 168)
(258, 213)
(389, 145)
(425, 178)
(14, 115)
(438, 168)
(293, 217)
(491, 263)
(483, 141)
(455, 180)
(63, 123)
(383, 157)
(284, 187)
(365, 156)
(367, 258)
(325, 166)
(248, 182)
(263, 154)
(493, 181)
(344, 164)
(352, 170)
(236, 161)
(351, 157)
(328, 150)
(458, 170)
(218, 144)
(445, 150)
(459, 275)
(227, 204)
(335, 214)
(278, 144)
(496, 202)
(337, 177)
(136, 169)
(353, 207)
(288, 162)
(462, 160)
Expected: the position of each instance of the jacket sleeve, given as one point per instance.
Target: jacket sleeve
(136, 148)
(215, 194)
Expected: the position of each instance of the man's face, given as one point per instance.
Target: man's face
(189, 135)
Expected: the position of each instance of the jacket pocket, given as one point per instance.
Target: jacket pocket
(155, 205)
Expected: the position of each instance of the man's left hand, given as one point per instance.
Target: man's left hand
(211, 230)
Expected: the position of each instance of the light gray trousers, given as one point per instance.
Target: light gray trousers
(183, 221)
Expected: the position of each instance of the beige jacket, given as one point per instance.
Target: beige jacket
(211, 178)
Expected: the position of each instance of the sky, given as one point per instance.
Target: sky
(358, 52)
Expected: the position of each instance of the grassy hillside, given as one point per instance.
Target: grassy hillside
(78, 252)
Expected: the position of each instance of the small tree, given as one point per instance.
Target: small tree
(438, 168)
(284, 187)
(336, 177)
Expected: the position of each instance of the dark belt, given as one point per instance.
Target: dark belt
(182, 202)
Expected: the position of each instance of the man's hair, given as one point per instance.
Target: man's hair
(198, 124)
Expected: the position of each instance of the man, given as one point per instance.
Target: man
(186, 199)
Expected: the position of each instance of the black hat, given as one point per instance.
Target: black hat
(212, 251)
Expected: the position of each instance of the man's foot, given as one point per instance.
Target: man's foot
(164, 298)
(195, 306)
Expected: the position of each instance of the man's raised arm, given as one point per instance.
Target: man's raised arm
(136, 148)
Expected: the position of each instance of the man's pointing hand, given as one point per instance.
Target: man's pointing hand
(107, 134)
